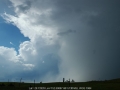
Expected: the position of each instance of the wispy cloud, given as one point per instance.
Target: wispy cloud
(11, 43)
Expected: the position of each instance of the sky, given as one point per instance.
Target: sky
(48, 40)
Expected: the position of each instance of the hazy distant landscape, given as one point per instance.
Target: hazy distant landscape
(113, 84)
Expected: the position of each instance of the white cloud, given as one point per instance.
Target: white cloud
(11, 43)
(41, 21)
(9, 61)
(27, 50)
(17, 2)
(8, 53)
(28, 66)
(28, 29)
(38, 25)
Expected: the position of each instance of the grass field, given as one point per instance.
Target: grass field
(94, 85)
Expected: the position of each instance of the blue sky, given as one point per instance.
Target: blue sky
(10, 33)
(48, 41)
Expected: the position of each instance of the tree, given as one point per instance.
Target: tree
(72, 80)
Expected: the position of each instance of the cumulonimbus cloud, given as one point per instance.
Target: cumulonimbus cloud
(46, 23)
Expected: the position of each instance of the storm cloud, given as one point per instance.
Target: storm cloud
(77, 39)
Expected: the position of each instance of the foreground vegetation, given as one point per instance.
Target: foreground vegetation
(95, 85)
